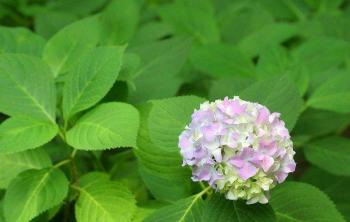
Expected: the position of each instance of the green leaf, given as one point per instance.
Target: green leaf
(158, 156)
(189, 209)
(75, 6)
(333, 95)
(91, 78)
(228, 87)
(314, 122)
(279, 94)
(293, 201)
(168, 119)
(33, 192)
(314, 54)
(242, 16)
(65, 48)
(104, 201)
(331, 154)
(119, 21)
(22, 133)
(13, 164)
(20, 40)
(337, 191)
(109, 125)
(276, 61)
(219, 209)
(268, 36)
(26, 87)
(150, 32)
(221, 60)
(48, 23)
(160, 62)
(192, 17)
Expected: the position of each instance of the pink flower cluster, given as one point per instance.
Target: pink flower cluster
(238, 147)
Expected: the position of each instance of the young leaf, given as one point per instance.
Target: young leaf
(104, 201)
(222, 60)
(160, 62)
(66, 47)
(293, 201)
(109, 125)
(26, 87)
(13, 164)
(219, 209)
(194, 17)
(331, 154)
(333, 95)
(279, 94)
(189, 209)
(91, 79)
(22, 133)
(33, 192)
(20, 40)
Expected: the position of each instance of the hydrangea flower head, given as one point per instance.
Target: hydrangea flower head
(240, 148)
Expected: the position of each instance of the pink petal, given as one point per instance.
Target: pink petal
(247, 171)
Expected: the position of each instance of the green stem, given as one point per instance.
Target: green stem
(63, 162)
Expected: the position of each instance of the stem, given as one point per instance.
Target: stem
(63, 162)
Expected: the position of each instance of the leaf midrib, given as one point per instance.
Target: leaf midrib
(35, 191)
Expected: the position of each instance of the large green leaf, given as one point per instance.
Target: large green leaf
(22, 133)
(48, 23)
(34, 191)
(20, 40)
(222, 60)
(66, 47)
(315, 122)
(300, 202)
(276, 61)
(229, 87)
(158, 155)
(75, 6)
(337, 190)
(266, 37)
(189, 209)
(333, 95)
(91, 78)
(160, 62)
(26, 87)
(192, 17)
(13, 164)
(242, 16)
(314, 54)
(104, 201)
(109, 125)
(331, 154)
(219, 209)
(119, 21)
(168, 119)
(279, 94)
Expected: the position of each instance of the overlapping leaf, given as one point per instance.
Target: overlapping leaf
(26, 87)
(34, 191)
(109, 125)
(91, 79)
(13, 164)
